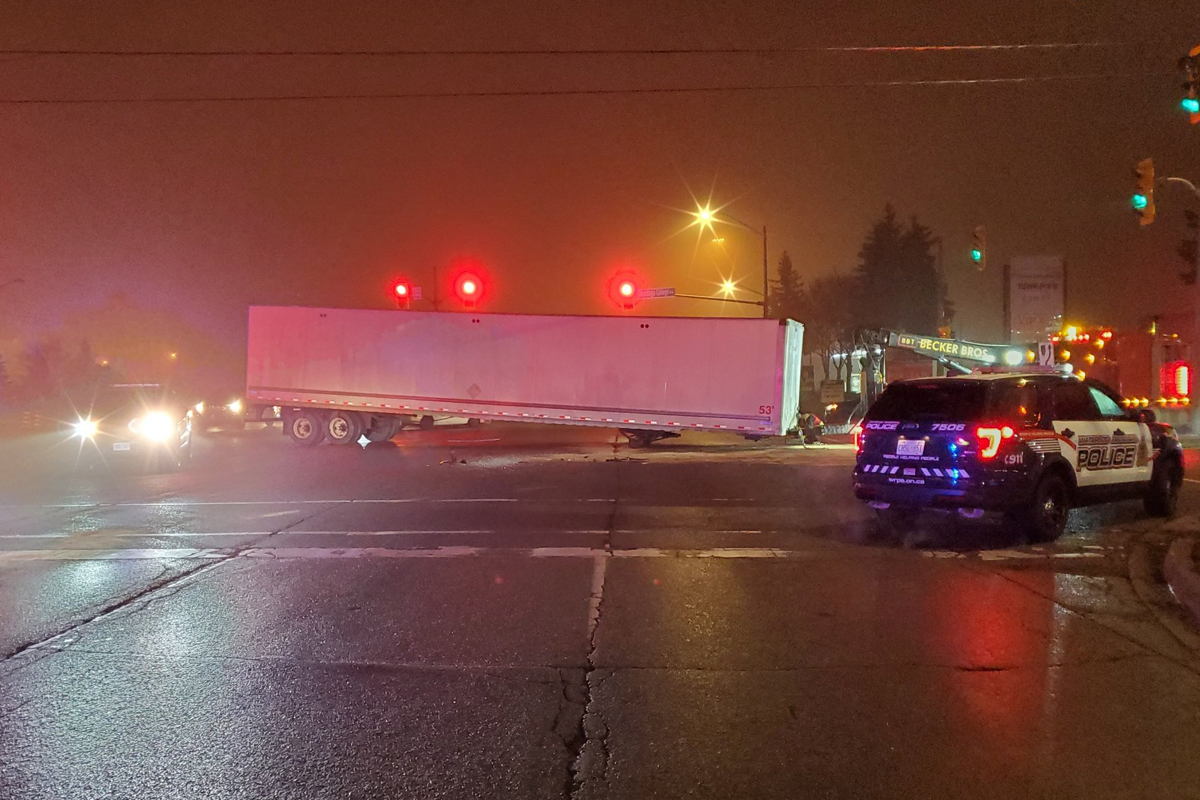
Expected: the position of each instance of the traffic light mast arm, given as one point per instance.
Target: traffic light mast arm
(720, 299)
(1185, 182)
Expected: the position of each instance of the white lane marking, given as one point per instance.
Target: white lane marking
(128, 534)
(426, 552)
(1000, 555)
(276, 514)
(1192, 480)
(98, 506)
(39, 535)
(137, 554)
(309, 553)
(334, 501)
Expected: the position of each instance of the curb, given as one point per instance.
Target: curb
(1181, 575)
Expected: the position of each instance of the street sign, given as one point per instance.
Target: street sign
(650, 294)
(1045, 354)
(832, 392)
(416, 293)
(949, 348)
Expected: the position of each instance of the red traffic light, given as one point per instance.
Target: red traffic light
(402, 290)
(469, 288)
(623, 290)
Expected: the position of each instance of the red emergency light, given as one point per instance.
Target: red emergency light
(1175, 379)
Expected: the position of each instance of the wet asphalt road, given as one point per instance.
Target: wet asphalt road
(534, 612)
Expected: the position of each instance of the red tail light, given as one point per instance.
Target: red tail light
(990, 439)
(856, 434)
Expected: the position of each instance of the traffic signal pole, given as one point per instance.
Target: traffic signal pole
(766, 282)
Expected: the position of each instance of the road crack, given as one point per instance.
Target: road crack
(174, 584)
(579, 723)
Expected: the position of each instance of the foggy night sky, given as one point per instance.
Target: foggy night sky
(206, 207)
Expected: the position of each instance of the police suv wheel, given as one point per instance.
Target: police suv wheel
(1163, 492)
(1045, 517)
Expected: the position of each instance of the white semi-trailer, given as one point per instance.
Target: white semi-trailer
(340, 374)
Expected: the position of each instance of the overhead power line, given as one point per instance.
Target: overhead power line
(584, 92)
(649, 51)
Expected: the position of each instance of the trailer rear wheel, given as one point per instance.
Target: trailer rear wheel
(305, 427)
(343, 427)
(384, 428)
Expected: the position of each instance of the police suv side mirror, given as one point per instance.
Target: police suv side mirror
(1145, 415)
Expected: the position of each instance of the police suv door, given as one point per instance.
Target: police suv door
(1128, 457)
(1104, 446)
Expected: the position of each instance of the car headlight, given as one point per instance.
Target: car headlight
(200, 407)
(156, 426)
(235, 407)
(85, 428)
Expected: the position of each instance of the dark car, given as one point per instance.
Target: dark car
(1031, 446)
(145, 424)
(229, 414)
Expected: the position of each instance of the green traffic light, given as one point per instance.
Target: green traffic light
(976, 255)
(1139, 201)
(1191, 105)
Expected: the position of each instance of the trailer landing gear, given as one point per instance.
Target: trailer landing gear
(640, 439)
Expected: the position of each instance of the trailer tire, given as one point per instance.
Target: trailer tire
(343, 427)
(306, 428)
(384, 428)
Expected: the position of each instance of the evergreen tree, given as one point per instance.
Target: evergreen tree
(899, 285)
(787, 292)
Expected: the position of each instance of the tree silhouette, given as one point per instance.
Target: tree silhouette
(787, 292)
(899, 284)
(830, 318)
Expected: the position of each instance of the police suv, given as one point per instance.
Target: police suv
(1030, 445)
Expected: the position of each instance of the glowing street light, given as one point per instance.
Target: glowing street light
(727, 287)
(706, 216)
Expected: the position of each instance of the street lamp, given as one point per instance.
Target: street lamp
(705, 217)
